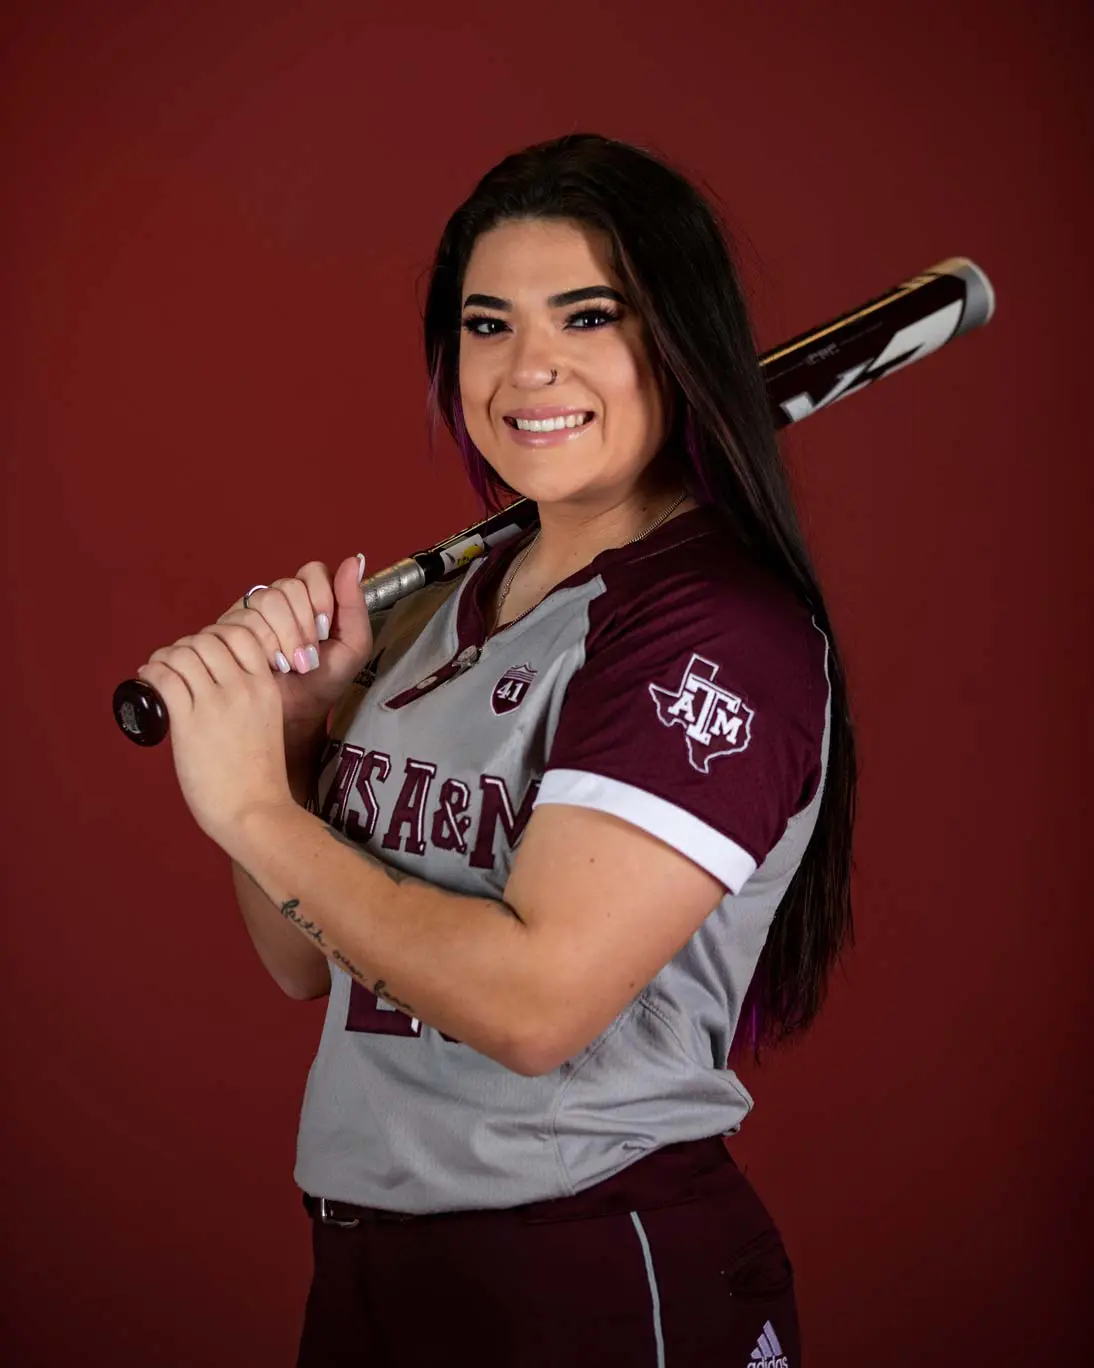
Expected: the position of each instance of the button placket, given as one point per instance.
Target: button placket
(466, 658)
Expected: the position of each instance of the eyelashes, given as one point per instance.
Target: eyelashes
(474, 324)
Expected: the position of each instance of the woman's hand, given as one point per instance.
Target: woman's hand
(315, 633)
(230, 702)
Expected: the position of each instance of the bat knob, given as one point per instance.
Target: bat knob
(139, 711)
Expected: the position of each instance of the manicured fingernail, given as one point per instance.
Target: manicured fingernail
(302, 660)
(360, 566)
(313, 657)
(281, 660)
(322, 626)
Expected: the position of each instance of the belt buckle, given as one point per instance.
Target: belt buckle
(328, 1218)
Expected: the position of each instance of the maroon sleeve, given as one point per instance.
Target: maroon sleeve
(698, 714)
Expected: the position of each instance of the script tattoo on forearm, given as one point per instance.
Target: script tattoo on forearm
(348, 965)
(309, 928)
(290, 911)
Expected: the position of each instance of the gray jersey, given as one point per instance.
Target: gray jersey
(670, 683)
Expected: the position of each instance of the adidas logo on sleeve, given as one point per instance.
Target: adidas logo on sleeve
(768, 1352)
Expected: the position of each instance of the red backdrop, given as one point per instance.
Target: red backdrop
(217, 222)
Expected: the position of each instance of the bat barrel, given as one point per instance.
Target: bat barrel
(980, 293)
(843, 356)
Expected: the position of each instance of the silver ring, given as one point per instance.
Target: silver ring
(252, 590)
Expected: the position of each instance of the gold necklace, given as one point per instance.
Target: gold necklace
(523, 555)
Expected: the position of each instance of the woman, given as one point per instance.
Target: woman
(587, 796)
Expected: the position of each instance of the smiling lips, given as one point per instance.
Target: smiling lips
(548, 426)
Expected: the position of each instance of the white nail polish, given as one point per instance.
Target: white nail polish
(360, 566)
(282, 663)
(322, 626)
(313, 657)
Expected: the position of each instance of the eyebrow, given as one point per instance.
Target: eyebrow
(558, 301)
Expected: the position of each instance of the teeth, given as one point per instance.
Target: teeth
(550, 424)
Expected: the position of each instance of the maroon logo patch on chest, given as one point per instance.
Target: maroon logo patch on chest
(510, 689)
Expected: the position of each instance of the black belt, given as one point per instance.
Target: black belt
(348, 1215)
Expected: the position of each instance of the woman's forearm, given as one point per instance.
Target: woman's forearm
(465, 965)
(294, 964)
(297, 966)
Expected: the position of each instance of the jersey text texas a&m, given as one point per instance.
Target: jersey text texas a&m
(445, 823)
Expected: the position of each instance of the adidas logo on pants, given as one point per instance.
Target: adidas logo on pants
(768, 1352)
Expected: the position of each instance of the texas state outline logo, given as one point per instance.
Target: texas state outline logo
(707, 713)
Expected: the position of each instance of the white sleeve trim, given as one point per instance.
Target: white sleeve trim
(708, 847)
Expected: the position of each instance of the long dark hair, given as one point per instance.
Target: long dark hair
(669, 247)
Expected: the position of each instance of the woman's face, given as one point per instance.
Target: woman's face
(521, 320)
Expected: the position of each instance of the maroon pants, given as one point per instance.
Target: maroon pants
(673, 1263)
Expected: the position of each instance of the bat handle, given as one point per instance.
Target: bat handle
(139, 711)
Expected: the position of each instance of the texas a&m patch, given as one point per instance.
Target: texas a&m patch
(715, 721)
